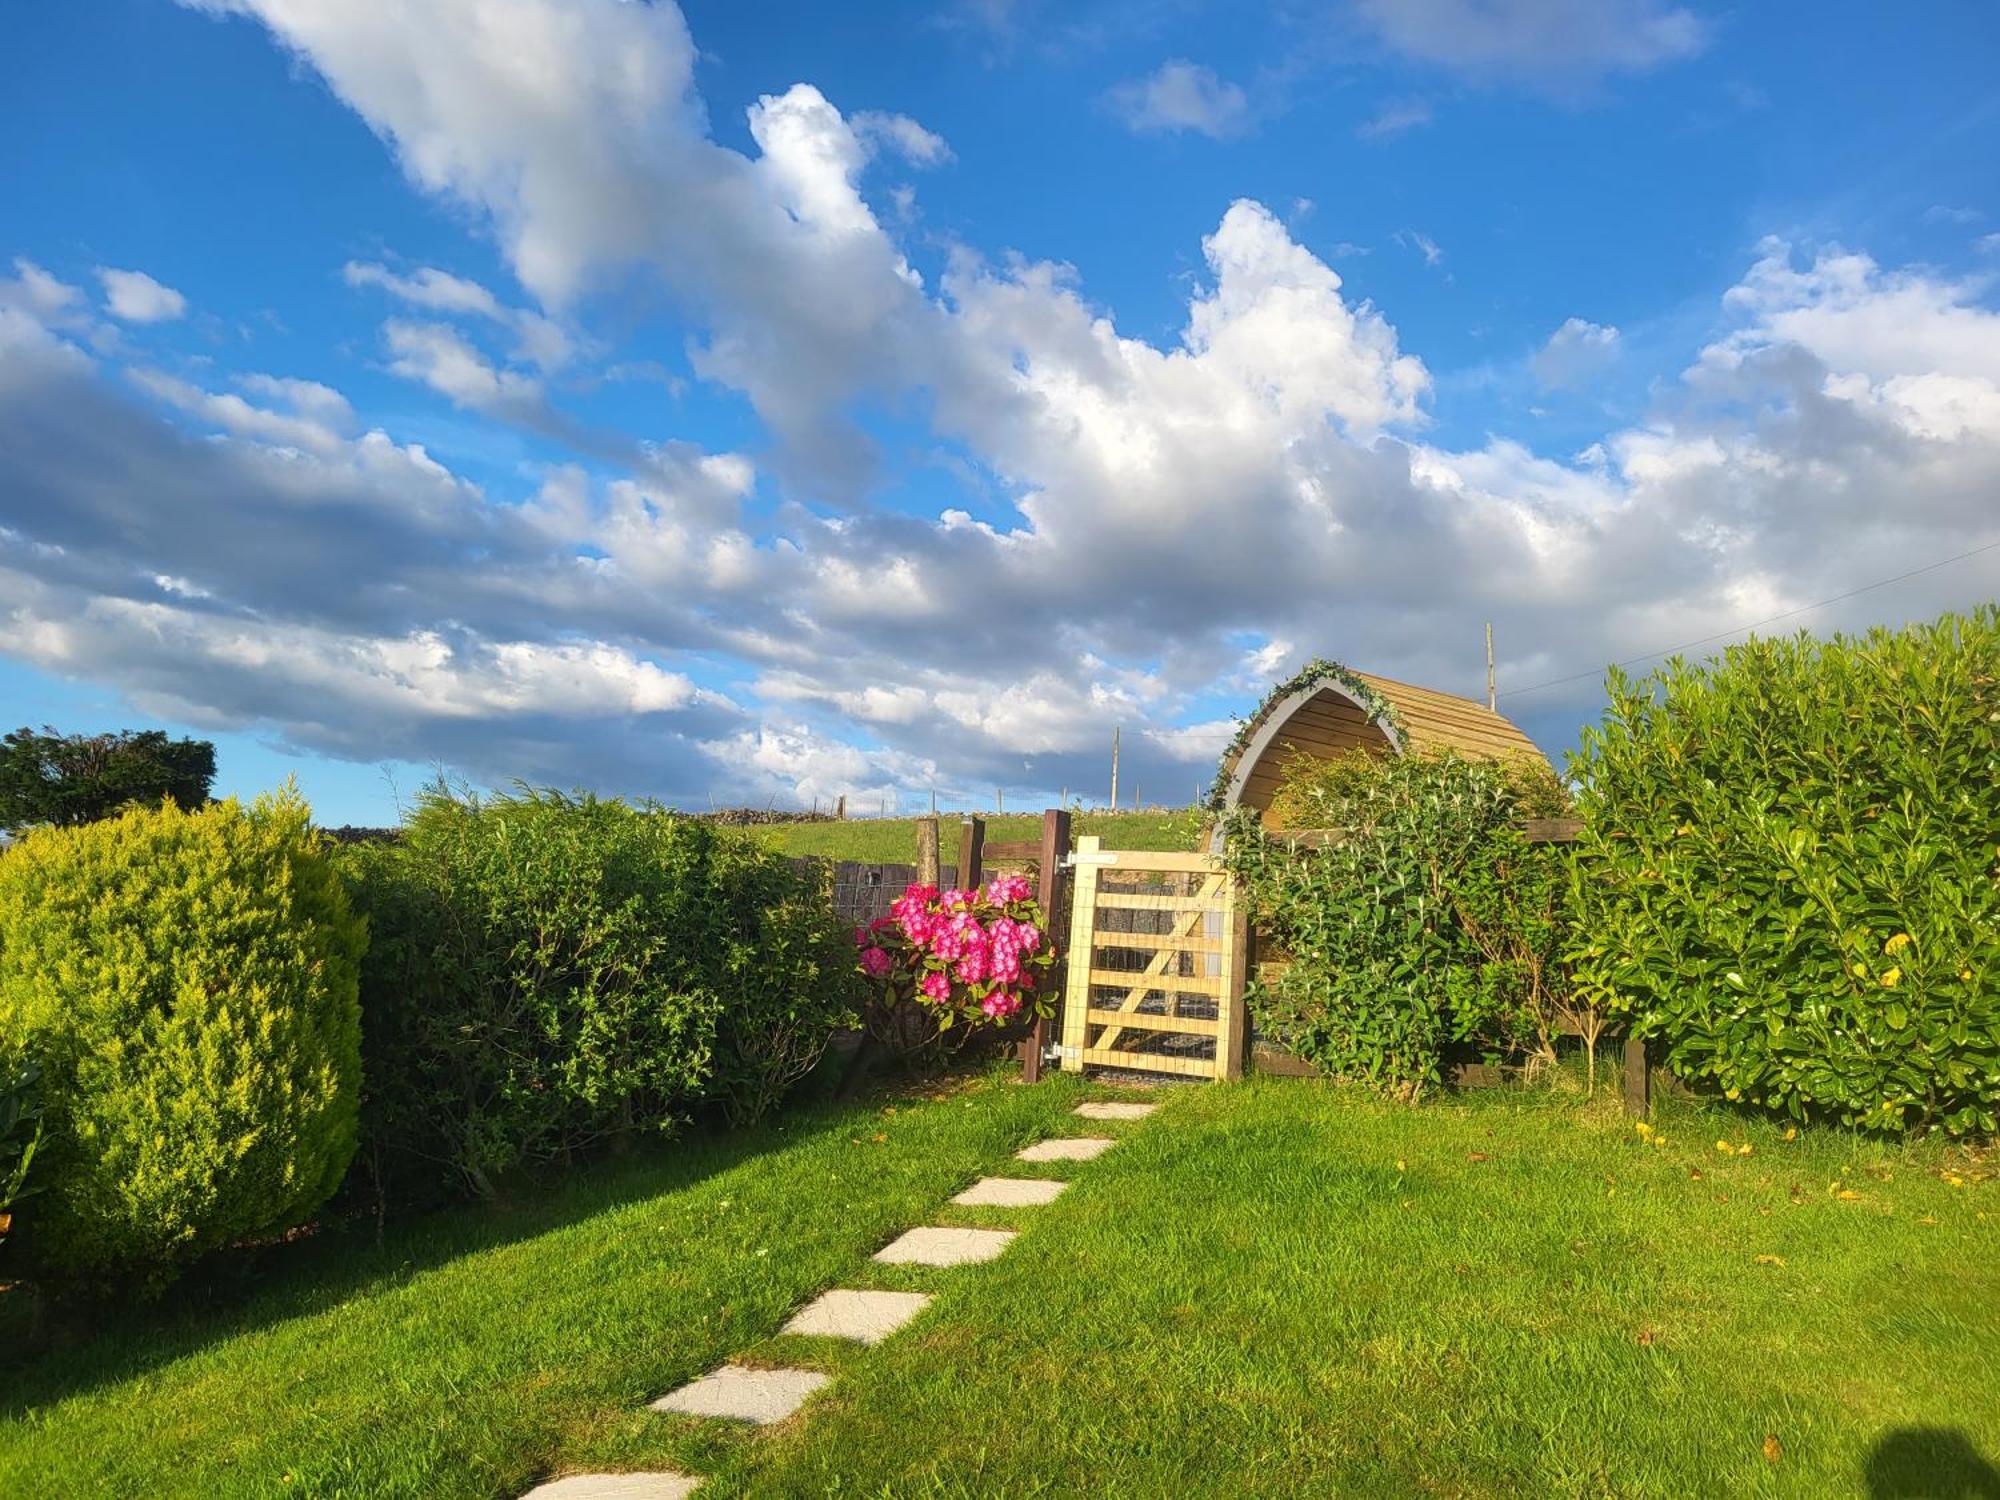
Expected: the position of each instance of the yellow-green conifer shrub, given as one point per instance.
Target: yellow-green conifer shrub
(187, 982)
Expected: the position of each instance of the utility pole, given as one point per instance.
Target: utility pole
(1114, 770)
(1000, 800)
(1492, 701)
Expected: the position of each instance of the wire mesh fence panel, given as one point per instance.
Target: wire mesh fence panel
(863, 892)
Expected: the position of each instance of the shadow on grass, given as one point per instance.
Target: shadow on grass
(240, 1293)
(1930, 1463)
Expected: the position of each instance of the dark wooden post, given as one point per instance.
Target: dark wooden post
(927, 851)
(1638, 1079)
(1048, 888)
(971, 848)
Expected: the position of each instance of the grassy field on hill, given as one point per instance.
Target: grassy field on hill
(894, 840)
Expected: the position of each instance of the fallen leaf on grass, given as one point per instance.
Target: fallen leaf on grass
(1848, 1195)
(1475, 1156)
(1694, 1173)
(1770, 1260)
(1773, 1449)
(1646, 1336)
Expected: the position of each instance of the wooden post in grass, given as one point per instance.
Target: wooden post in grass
(1638, 1079)
(1048, 889)
(1229, 1038)
(927, 850)
(971, 849)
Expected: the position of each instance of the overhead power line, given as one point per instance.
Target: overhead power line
(1880, 583)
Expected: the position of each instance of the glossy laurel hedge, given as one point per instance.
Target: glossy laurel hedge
(186, 983)
(548, 975)
(1788, 871)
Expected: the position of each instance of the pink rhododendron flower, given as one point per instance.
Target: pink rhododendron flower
(949, 945)
(1000, 1004)
(1003, 889)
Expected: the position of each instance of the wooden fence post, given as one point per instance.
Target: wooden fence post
(971, 848)
(1638, 1079)
(927, 851)
(1048, 889)
(1082, 939)
(1230, 1035)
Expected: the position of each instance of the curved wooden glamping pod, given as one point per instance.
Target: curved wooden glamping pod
(1327, 710)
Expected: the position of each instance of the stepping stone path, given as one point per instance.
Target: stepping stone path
(945, 1247)
(869, 1317)
(760, 1396)
(765, 1396)
(1010, 1192)
(615, 1487)
(1114, 1111)
(1067, 1148)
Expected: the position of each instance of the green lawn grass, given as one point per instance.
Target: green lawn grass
(894, 840)
(476, 1351)
(1287, 1289)
(1275, 1288)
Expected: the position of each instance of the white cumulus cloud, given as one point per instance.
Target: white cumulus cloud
(135, 297)
(1181, 95)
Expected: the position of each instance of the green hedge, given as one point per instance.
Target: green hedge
(1429, 923)
(550, 975)
(186, 984)
(1788, 871)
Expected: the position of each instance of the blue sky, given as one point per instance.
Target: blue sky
(768, 403)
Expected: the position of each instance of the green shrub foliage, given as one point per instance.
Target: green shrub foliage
(20, 1134)
(186, 982)
(68, 779)
(1422, 919)
(1789, 871)
(548, 974)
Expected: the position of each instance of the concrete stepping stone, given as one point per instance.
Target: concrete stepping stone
(1067, 1148)
(945, 1247)
(869, 1317)
(1010, 1192)
(1109, 1110)
(662, 1486)
(744, 1394)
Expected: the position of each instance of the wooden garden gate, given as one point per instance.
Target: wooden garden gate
(1156, 959)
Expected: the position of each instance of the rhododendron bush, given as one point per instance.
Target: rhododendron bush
(968, 958)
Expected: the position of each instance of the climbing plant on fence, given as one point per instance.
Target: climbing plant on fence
(1788, 871)
(1419, 918)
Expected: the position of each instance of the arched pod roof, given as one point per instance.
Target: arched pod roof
(1328, 708)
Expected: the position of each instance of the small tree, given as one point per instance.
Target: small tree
(68, 779)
